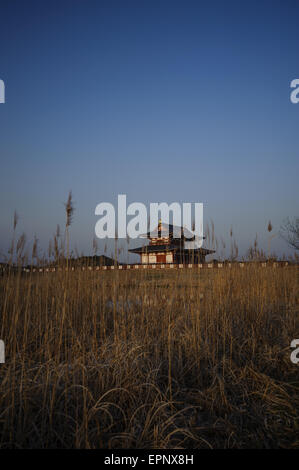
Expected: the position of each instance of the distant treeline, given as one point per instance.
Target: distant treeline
(101, 260)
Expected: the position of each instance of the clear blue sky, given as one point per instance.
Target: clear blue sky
(159, 100)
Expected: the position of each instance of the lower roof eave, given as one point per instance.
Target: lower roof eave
(162, 248)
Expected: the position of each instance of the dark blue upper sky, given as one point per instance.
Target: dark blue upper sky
(159, 100)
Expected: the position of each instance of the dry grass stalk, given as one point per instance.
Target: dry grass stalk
(177, 358)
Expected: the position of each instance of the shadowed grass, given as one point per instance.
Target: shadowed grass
(182, 358)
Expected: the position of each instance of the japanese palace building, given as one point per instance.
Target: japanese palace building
(168, 245)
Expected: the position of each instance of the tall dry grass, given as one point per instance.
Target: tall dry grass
(176, 358)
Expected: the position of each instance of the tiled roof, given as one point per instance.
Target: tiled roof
(164, 248)
(169, 230)
(153, 248)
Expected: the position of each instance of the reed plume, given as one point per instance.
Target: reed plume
(69, 209)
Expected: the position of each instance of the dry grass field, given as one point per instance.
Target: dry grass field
(150, 359)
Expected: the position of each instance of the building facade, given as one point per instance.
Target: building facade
(167, 244)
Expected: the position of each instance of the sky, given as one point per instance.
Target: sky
(164, 101)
